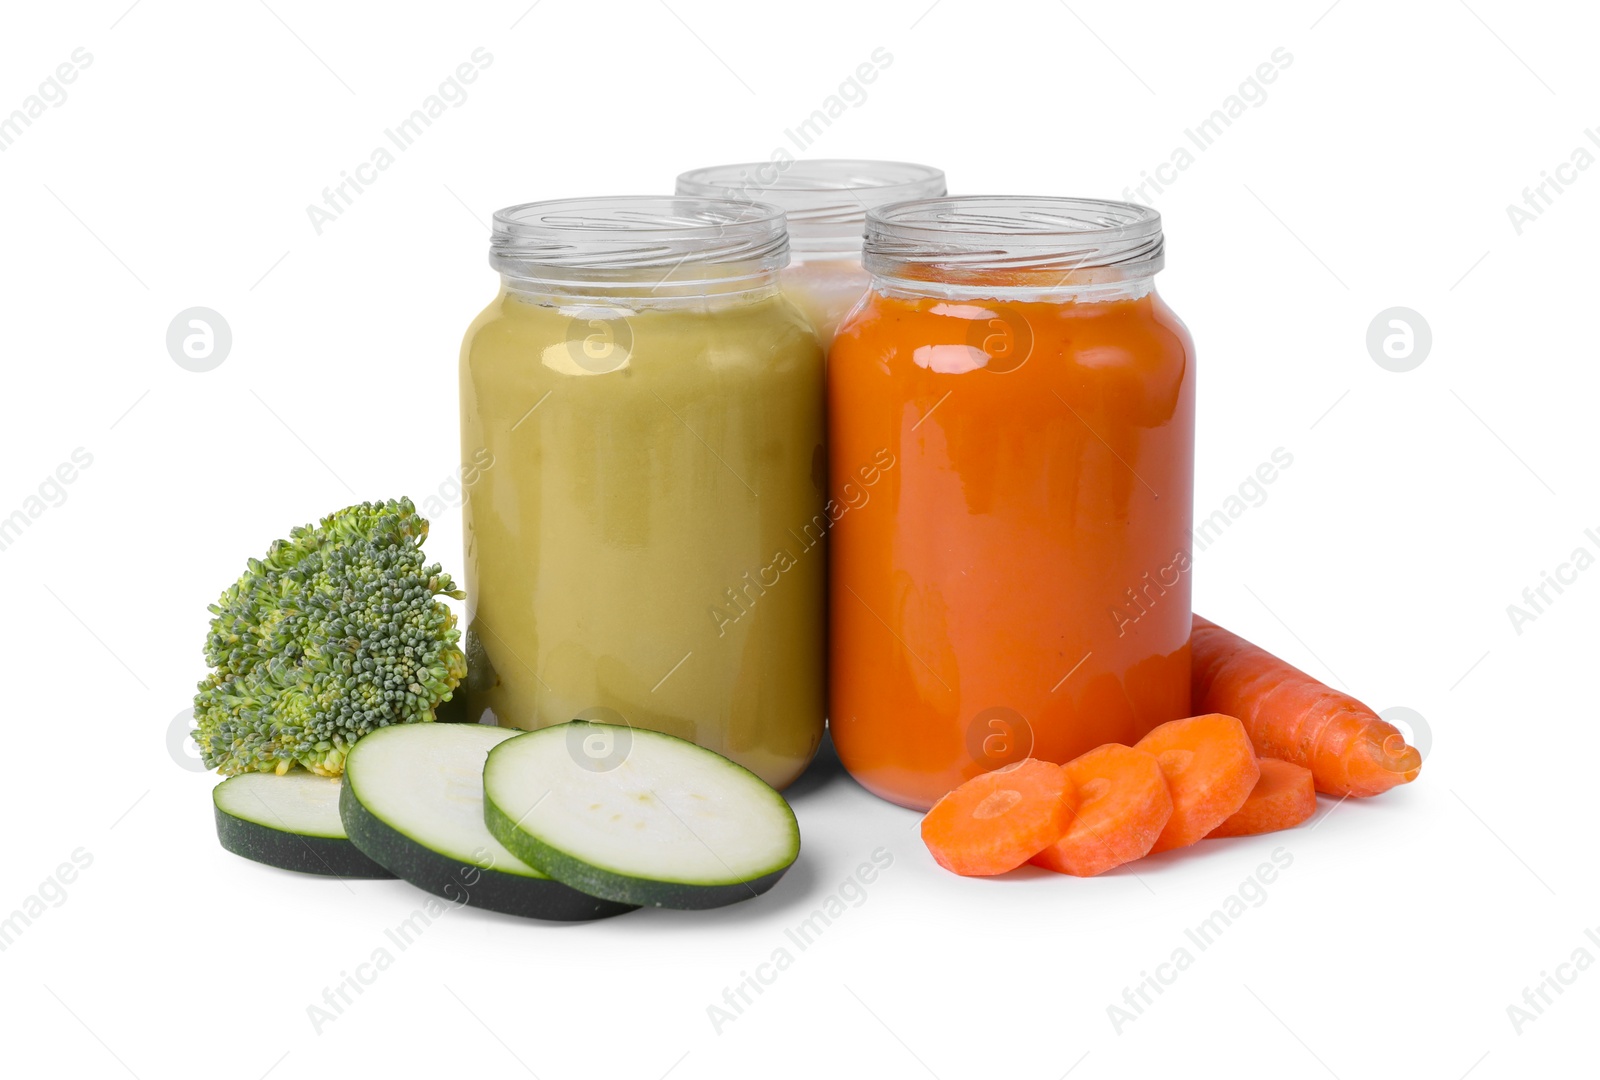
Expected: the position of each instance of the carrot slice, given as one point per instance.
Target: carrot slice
(996, 821)
(1293, 717)
(1283, 798)
(1210, 768)
(1123, 803)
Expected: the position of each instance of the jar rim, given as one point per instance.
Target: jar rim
(1022, 239)
(682, 242)
(826, 199)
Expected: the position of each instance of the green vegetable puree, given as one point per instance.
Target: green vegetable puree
(647, 544)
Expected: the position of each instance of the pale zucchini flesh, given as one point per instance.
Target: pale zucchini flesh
(289, 821)
(413, 800)
(657, 821)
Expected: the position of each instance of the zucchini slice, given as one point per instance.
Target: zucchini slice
(289, 821)
(412, 799)
(654, 820)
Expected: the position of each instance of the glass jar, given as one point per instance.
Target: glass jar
(826, 201)
(1011, 418)
(645, 411)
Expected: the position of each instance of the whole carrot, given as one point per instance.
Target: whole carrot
(1293, 717)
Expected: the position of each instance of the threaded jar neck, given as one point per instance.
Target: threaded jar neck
(1014, 241)
(639, 246)
(826, 199)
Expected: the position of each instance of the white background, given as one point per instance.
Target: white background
(1376, 173)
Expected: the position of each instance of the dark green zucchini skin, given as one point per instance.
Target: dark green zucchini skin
(325, 855)
(621, 888)
(464, 883)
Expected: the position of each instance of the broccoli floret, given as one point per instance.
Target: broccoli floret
(335, 633)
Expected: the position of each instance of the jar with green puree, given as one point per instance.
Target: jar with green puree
(644, 536)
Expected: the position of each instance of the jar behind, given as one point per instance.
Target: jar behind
(646, 409)
(1016, 582)
(826, 201)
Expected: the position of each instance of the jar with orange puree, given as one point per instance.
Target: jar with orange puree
(1017, 581)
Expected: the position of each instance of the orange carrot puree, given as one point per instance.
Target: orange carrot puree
(1018, 582)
